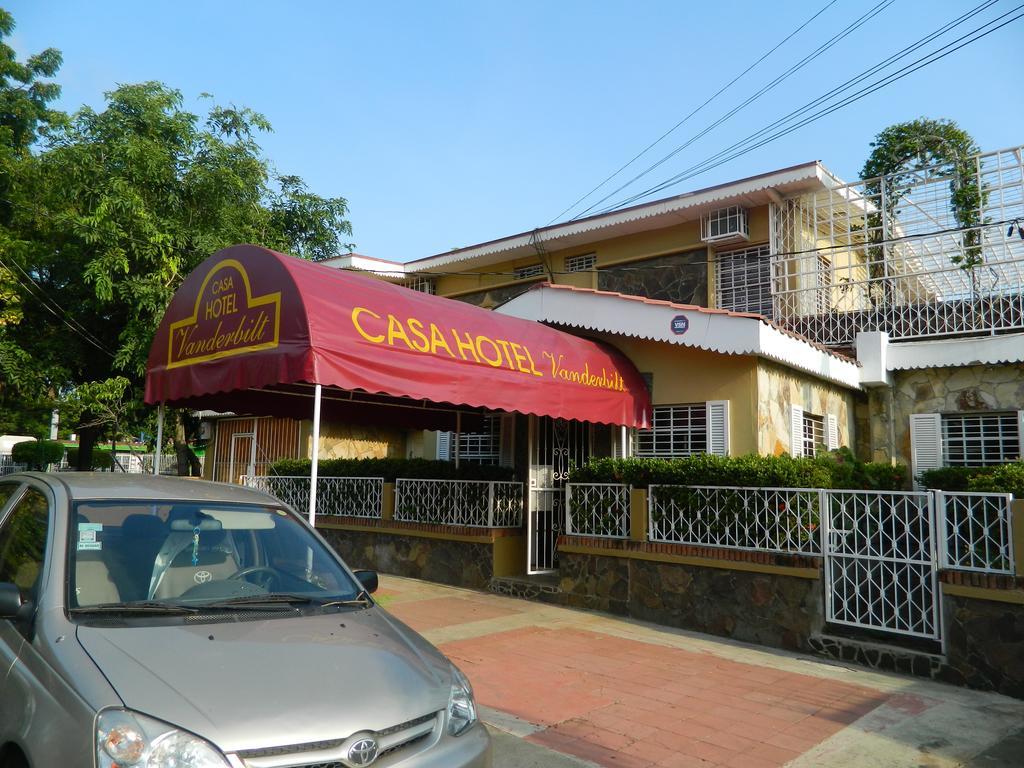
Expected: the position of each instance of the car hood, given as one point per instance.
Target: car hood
(255, 684)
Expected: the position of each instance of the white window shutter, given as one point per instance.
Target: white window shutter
(718, 427)
(444, 445)
(796, 428)
(507, 444)
(831, 431)
(925, 442)
(622, 439)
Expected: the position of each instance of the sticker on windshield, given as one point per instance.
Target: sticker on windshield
(87, 536)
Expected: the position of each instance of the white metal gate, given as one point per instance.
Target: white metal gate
(880, 566)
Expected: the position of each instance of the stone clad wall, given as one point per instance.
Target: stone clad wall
(459, 563)
(780, 388)
(949, 390)
(984, 644)
(766, 608)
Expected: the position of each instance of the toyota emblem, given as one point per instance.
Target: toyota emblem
(201, 577)
(363, 752)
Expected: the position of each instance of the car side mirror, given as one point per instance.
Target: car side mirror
(10, 601)
(368, 579)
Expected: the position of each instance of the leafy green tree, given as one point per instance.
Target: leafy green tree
(904, 148)
(26, 388)
(116, 207)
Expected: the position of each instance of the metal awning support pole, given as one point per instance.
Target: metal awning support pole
(159, 438)
(316, 456)
(458, 431)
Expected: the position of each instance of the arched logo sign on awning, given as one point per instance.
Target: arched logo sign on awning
(250, 318)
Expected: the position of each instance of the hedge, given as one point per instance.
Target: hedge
(101, 459)
(837, 469)
(1001, 478)
(390, 469)
(37, 454)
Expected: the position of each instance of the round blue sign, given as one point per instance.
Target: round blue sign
(680, 325)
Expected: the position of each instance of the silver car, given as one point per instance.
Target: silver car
(151, 622)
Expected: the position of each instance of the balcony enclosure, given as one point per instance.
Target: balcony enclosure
(889, 254)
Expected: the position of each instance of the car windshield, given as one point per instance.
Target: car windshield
(139, 554)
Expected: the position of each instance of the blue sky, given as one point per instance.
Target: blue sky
(445, 124)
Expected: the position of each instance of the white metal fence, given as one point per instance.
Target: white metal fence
(348, 496)
(766, 519)
(975, 532)
(597, 509)
(8, 466)
(473, 503)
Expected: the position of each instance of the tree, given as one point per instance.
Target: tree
(903, 148)
(26, 388)
(118, 206)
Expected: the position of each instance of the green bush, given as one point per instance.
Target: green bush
(37, 454)
(101, 460)
(949, 478)
(390, 469)
(1005, 478)
(838, 469)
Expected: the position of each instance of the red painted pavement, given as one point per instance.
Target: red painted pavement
(621, 702)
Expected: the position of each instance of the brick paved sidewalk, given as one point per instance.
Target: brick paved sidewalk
(623, 693)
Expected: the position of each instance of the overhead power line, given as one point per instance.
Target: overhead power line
(752, 141)
(713, 96)
(35, 291)
(819, 51)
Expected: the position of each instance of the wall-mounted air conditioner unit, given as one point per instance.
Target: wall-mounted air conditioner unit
(726, 225)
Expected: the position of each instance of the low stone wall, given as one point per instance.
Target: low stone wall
(755, 602)
(985, 642)
(457, 559)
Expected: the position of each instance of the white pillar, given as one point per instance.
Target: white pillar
(54, 422)
(316, 455)
(159, 438)
(458, 431)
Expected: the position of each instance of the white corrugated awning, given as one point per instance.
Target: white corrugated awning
(729, 333)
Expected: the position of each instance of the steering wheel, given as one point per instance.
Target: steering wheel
(269, 575)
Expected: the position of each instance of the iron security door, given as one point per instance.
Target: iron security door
(880, 570)
(558, 446)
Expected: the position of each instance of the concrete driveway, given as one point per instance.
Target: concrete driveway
(562, 688)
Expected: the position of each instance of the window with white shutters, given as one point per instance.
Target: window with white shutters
(743, 280)
(474, 447)
(980, 439)
(808, 432)
(683, 430)
(831, 432)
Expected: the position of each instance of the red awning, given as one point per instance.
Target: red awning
(249, 320)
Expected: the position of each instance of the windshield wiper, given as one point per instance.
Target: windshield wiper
(363, 599)
(280, 600)
(143, 606)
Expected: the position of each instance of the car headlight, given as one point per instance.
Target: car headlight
(461, 707)
(126, 739)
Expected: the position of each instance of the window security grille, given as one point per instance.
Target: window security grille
(724, 225)
(534, 270)
(813, 434)
(582, 263)
(423, 285)
(980, 439)
(474, 447)
(743, 280)
(676, 430)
